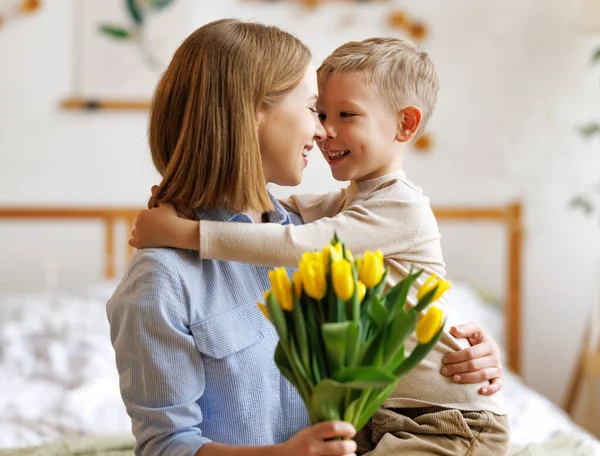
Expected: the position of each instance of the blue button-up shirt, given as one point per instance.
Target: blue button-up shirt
(194, 353)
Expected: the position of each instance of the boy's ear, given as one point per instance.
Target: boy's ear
(409, 122)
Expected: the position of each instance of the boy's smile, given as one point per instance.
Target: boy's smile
(361, 129)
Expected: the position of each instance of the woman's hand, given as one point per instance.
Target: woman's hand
(475, 364)
(312, 441)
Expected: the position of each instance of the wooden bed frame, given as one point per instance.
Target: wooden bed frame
(509, 216)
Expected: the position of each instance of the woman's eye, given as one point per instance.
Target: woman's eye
(313, 110)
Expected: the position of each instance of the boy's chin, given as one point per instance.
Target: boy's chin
(341, 176)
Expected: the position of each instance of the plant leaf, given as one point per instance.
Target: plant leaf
(418, 354)
(134, 11)
(401, 327)
(580, 202)
(300, 336)
(327, 401)
(596, 56)
(160, 4)
(116, 32)
(352, 344)
(283, 364)
(364, 377)
(335, 338)
(378, 313)
(372, 402)
(590, 129)
(398, 293)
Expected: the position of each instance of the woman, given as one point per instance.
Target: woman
(233, 111)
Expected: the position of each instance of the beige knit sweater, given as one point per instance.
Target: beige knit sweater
(387, 213)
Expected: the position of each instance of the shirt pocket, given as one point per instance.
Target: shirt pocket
(230, 332)
(237, 350)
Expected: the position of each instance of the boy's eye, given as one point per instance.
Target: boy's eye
(346, 114)
(322, 117)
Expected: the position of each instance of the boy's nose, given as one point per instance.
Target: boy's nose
(329, 130)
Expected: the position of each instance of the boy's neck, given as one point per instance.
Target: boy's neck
(392, 168)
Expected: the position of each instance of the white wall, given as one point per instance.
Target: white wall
(515, 82)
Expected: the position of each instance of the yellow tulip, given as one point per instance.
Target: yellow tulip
(341, 276)
(361, 291)
(332, 251)
(312, 271)
(429, 324)
(432, 282)
(297, 280)
(263, 309)
(370, 268)
(282, 288)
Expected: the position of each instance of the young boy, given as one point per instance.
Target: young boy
(376, 96)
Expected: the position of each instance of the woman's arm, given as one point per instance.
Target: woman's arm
(160, 370)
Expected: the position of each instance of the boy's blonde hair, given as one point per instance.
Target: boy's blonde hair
(401, 73)
(203, 129)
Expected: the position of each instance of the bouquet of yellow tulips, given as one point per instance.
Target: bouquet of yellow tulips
(341, 339)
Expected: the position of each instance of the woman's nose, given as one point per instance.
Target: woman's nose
(320, 133)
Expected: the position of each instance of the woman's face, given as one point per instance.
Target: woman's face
(288, 132)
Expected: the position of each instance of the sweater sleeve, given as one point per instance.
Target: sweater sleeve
(389, 225)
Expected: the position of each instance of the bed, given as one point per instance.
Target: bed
(60, 385)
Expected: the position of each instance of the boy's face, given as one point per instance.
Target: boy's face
(362, 132)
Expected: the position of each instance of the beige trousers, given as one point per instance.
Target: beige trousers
(434, 431)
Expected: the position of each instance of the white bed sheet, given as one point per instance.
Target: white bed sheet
(58, 375)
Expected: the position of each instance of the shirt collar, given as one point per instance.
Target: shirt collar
(277, 215)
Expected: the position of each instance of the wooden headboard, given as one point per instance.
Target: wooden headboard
(508, 216)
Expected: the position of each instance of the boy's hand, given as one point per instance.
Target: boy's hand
(475, 364)
(312, 441)
(155, 227)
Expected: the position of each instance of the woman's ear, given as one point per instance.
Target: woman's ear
(409, 122)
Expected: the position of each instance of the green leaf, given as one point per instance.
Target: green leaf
(364, 377)
(160, 4)
(335, 338)
(425, 300)
(401, 327)
(277, 318)
(370, 350)
(352, 344)
(327, 402)
(590, 129)
(134, 11)
(418, 354)
(396, 296)
(370, 403)
(116, 32)
(580, 202)
(335, 239)
(378, 313)
(315, 339)
(283, 364)
(297, 316)
(596, 56)
(352, 410)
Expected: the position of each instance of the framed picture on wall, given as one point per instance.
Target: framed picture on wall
(120, 49)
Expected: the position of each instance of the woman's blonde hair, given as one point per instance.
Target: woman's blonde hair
(203, 129)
